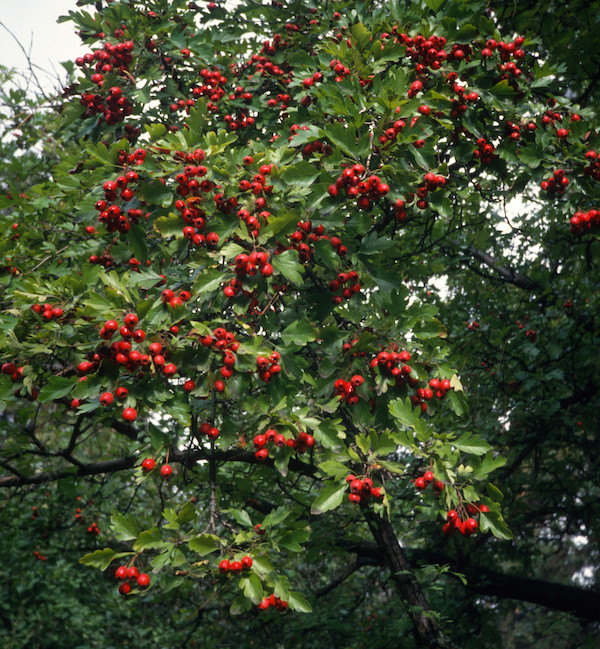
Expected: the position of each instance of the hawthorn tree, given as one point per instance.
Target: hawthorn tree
(299, 305)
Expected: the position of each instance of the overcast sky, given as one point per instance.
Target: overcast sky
(33, 22)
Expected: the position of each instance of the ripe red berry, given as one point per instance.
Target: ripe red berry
(124, 588)
(143, 580)
(106, 398)
(166, 470)
(148, 464)
(133, 572)
(129, 414)
(121, 572)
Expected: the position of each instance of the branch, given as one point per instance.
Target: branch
(426, 630)
(187, 458)
(581, 602)
(506, 273)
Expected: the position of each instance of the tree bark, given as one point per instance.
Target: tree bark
(426, 630)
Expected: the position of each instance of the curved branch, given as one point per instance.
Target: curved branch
(188, 458)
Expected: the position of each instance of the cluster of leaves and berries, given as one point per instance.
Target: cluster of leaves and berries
(193, 241)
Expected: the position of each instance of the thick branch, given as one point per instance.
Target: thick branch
(582, 602)
(188, 458)
(426, 630)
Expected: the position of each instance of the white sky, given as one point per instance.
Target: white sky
(33, 22)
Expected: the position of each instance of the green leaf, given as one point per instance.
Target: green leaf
(148, 539)
(99, 558)
(56, 388)
(294, 539)
(169, 226)
(137, 241)
(242, 517)
(240, 605)
(434, 5)
(493, 522)
(204, 544)
(275, 517)
(361, 35)
(262, 566)
(124, 526)
(287, 264)
(156, 193)
(252, 587)
(502, 89)
(472, 444)
(330, 497)
(300, 174)
(300, 332)
(403, 411)
(334, 469)
(297, 602)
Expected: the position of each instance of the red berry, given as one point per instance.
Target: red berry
(166, 470)
(106, 398)
(129, 414)
(420, 484)
(148, 464)
(143, 580)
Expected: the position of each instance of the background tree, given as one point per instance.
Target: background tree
(229, 364)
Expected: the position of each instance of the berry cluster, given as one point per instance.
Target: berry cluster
(307, 234)
(225, 342)
(531, 334)
(111, 214)
(115, 107)
(423, 52)
(112, 58)
(259, 187)
(276, 602)
(131, 575)
(484, 152)
(93, 530)
(436, 388)
(211, 87)
(469, 525)
(393, 363)
(391, 133)
(174, 301)
(582, 222)
(248, 265)
(212, 432)
(340, 70)
(47, 311)
(357, 185)
(593, 168)
(346, 390)
(235, 567)
(347, 284)
(431, 182)
(511, 50)
(556, 184)
(39, 556)
(426, 479)
(122, 354)
(300, 444)
(362, 490)
(268, 367)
